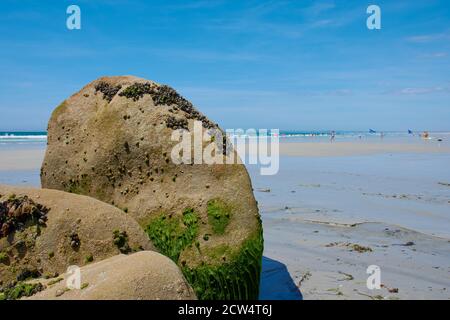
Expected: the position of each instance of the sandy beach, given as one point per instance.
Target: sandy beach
(342, 149)
(21, 159)
(30, 156)
(333, 210)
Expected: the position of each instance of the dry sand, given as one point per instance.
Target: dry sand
(28, 159)
(340, 149)
(21, 159)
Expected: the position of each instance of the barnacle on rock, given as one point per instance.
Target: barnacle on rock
(109, 91)
(175, 123)
(17, 213)
(137, 90)
(120, 239)
(27, 274)
(75, 241)
(165, 95)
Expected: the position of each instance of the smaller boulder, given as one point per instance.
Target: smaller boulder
(145, 275)
(42, 232)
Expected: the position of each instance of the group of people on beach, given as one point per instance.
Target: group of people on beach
(423, 135)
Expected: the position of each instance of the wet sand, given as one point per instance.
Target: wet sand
(328, 218)
(324, 264)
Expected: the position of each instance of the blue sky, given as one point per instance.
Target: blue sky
(265, 64)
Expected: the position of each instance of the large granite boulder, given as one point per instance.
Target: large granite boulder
(145, 275)
(112, 141)
(43, 232)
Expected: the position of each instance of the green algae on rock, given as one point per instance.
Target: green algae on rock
(20, 290)
(4, 257)
(172, 234)
(219, 215)
(79, 186)
(236, 279)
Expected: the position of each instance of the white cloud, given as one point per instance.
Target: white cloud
(423, 90)
(436, 55)
(319, 7)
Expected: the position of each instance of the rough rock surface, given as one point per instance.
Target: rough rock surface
(145, 275)
(112, 141)
(75, 230)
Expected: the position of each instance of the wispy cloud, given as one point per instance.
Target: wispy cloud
(426, 38)
(26, 16)
(204, 55)
(325, 93)
(340, 92)
(201, 4)
(436, 55)
(59, 50)
(227, 92)
(422, 90)
(318, 8)
(259, 19)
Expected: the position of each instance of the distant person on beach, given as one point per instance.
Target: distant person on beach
(425, 135)
(382, 135)
(333, 136)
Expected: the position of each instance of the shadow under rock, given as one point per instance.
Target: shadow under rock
(276, 282)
